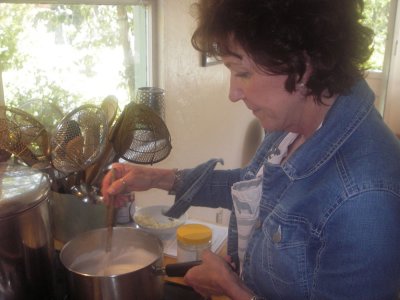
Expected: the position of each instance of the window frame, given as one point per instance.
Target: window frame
(391, 89)
(151, 24)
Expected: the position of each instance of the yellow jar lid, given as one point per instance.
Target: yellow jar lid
(193, 234)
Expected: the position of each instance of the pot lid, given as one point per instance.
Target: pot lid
(20, 188)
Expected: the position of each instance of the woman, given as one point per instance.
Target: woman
(316, 214)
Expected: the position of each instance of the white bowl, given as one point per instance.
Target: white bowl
(151, 219)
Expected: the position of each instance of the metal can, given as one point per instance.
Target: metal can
(192, 240)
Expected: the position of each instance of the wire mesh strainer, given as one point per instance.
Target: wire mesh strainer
(79, 139)
(23, 135)
(45, 111)
(139, 135)
(144, 138)
(10, 140)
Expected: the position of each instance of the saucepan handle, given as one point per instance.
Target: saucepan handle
(177, 269)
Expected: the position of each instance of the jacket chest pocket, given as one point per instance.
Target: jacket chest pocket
(284, 253)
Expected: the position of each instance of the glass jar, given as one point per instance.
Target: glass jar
(192, 240)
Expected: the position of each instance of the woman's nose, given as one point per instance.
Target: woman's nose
(235, 93)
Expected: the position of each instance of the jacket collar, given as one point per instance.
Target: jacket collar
(344, 117)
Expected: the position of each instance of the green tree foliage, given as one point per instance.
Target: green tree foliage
(11, 25)
(87, 28)
(376, 16)
(91, 28)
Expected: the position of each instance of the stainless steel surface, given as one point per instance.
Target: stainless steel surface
(137, 285)
(153, 97)
(26, 242)
(71, 216)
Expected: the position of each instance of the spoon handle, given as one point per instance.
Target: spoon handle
(110, 217)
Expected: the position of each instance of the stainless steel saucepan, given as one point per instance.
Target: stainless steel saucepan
(132, 270)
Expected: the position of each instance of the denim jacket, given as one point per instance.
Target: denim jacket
(329, 216)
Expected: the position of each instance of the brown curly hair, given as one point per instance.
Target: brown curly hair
(281, 35)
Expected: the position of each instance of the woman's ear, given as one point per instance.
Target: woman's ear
(301, 85)
(309, 69)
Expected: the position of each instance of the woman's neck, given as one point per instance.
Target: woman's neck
(313, 120)
(314, 117)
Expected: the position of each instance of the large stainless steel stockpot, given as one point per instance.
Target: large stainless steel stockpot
(26, 242)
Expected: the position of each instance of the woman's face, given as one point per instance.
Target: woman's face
(264, 94)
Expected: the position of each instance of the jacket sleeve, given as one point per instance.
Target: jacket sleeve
(359, 256)
(204, 186)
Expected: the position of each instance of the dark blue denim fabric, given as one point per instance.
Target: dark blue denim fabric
(330, 215)
(193, 180)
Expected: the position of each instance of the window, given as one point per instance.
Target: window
(65, 55)
(377, 17)
(391, 79)
(380, 15)
(383, 17)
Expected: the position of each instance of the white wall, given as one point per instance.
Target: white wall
(202, 121)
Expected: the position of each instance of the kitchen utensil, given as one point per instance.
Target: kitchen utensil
(153, 97)
(79, 139)
(110, 223)
(26, 241)
(45, 111)
(83, 191)
(137, 126)
(94, 172)
(10, 140)
(110, 107)
(134, 274)
(149, 136)
(110, 217)
(23, 136)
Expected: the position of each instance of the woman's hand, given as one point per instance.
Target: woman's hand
(215, 276)
(126, 178)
